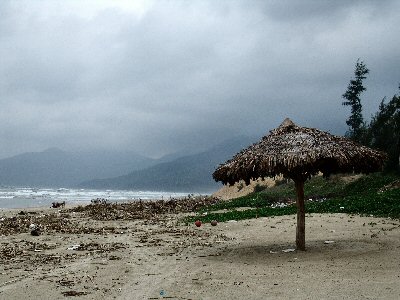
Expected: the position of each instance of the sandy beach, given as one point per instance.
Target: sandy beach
(158, 257)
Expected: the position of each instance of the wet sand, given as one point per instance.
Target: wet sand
(158, 257)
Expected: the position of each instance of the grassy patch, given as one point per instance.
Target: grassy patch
(359, 197)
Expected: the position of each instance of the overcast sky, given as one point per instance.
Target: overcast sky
(160, 76)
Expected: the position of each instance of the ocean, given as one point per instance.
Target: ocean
(37, 197)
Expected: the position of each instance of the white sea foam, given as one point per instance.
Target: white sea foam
(33, 197)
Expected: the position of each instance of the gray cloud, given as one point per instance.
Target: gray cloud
(185, 74)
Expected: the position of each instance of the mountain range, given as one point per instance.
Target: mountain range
(56, 168)
(119, 170)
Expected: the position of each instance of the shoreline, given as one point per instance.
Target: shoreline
(22, 198)
(155, 256)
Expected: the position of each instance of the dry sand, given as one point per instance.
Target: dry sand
(241, 189)
(163, 259)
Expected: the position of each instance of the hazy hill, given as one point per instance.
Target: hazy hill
(56, 168)
(191, 173)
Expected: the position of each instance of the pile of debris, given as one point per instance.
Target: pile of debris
(42, 222)
(49, 223)
(103, 210)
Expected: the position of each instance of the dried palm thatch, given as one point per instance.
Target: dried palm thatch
(295, 151)
(298, 153)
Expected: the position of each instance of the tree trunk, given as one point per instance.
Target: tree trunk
(398, 152)
(301, 218)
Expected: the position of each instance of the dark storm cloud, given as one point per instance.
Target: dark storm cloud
(169, 75)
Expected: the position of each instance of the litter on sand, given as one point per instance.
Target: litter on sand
(288, 250)
(74, 247)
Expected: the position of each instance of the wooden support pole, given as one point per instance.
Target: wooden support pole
(301, 217)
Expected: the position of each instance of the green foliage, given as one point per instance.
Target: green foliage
(357, 127)
(319, 187)
(369, 184)
(258, 188)
(315, 188)
(384, 131)
(385, 204)
(362, 196)
(244, 214)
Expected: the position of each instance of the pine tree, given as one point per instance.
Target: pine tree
(357, 127)
(384, 130)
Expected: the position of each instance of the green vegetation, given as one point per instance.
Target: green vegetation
(364, 196)
(352, 98)
(383, 132)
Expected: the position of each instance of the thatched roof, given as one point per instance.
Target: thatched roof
(295, 151)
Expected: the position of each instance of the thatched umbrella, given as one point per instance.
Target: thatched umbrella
(298, 153)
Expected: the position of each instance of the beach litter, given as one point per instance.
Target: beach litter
(288, 250)
(73, 293)
(329, 242)
(35, 232)
(74, 247)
